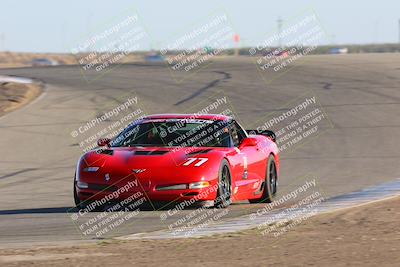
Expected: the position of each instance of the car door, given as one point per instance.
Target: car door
(249, 179)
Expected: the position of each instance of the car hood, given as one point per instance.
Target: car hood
(149, 156)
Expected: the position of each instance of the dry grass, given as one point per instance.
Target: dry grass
(15, 60)
(15, 95)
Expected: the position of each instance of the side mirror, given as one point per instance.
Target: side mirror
(270, 134)
(249, 141)
(267, 133)
(103, 142)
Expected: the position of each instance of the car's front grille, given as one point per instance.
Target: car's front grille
(102, 187)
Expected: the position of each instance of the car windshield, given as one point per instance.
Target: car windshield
(175, 132)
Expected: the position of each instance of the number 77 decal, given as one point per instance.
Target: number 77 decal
(200, 161)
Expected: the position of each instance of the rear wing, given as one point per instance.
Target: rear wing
(266, 133)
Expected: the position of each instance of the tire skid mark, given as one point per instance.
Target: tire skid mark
(211, 84)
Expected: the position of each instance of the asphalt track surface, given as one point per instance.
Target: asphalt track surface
(359, 93)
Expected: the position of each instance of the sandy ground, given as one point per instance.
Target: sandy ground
(15, 60)
(15, 95)
(363, 236)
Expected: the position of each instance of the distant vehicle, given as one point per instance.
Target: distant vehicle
(279, 52)
(44, 62)
(283, 53)
(337, 50)
(154, 57)
(157, 155)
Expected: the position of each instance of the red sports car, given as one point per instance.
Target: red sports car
(180, 157)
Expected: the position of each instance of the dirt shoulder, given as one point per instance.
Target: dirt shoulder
(17, 60)
(368, 235)
(16, 95)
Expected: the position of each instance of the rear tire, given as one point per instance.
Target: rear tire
(224, 192)
(270, 183)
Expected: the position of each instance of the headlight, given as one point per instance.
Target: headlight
(172, 187)
(82, 185)
(91, 169)
(199, 185)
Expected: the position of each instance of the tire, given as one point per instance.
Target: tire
(270, 183)
(224, 192)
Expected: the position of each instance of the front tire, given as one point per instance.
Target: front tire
(224, 192)
(270, 183)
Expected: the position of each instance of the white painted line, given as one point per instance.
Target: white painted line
(15, 79)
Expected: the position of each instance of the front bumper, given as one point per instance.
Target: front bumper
(117, 192)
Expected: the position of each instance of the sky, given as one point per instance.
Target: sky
(54, 26)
